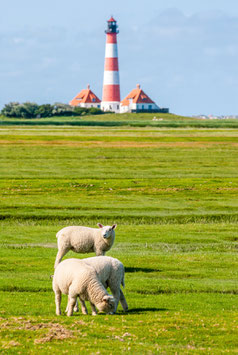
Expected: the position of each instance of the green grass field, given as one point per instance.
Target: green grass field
(127, 119)
(171, 188)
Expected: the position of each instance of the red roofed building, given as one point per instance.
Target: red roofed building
(137, 100)
(86, 98)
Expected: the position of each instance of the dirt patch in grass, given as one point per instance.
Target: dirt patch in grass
(10, 344)
(56, 331)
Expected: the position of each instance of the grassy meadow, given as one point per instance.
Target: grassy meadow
(171, 188)
(126, 119)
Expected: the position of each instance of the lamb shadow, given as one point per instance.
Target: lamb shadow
(137, 311)
(145, 309)
(142, 269)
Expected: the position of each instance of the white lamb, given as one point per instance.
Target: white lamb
(84, 240)
(110, 272)
(77, 279)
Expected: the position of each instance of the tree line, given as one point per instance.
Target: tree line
(32, 110)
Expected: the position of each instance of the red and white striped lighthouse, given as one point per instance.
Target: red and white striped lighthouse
(111, 84)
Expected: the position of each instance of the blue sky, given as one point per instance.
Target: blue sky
(183, 53)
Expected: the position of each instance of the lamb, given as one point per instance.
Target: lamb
(110, 272)
(84, 240)
(75, 278)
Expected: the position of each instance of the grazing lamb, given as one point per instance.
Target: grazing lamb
(110, 272)
(84, 240)
(77, 279)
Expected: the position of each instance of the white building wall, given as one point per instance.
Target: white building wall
(134, 107)
(110, 106)
(124, 109)
(89, 105)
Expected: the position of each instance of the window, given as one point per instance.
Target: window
(143, 107)
(118, 107)
(98, 106)
(150, 107)
(93, 100)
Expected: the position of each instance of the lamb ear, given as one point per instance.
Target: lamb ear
(100, 225)
(114, 226)
(106, 298)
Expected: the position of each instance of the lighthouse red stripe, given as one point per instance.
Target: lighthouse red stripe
(111, 64)
(111, 93)
(111, 38)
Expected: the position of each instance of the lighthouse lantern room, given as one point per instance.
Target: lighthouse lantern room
(111, 83)
(112, 26)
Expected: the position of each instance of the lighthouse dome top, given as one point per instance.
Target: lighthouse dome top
(111, 19)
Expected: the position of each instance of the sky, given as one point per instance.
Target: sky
(183, 53)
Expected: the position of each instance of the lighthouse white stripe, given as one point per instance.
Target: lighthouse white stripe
(111, 50)
(111, 78)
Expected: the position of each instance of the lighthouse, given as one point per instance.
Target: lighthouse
(111, 84)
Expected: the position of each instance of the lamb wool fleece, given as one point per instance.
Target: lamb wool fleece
(111, 273)
(84, 240)
(74, 278)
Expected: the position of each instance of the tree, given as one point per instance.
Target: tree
(44, 110)
(95, 111)
(62, 110)
(32, 110)
(10, 110)
(78, 111)
(28, 110)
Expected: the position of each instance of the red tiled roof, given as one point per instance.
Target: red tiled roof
(85, 96)
(138, 96)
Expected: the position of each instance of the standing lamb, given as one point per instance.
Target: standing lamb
(110, 272)
(77, 279)
(84, 240)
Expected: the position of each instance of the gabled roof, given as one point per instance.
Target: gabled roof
(85, 96)
(111, 20)
(137, 96)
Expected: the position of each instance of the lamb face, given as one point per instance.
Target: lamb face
(107, 231)
(107, 305)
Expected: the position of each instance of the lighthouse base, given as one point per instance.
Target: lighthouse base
(111, 106)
